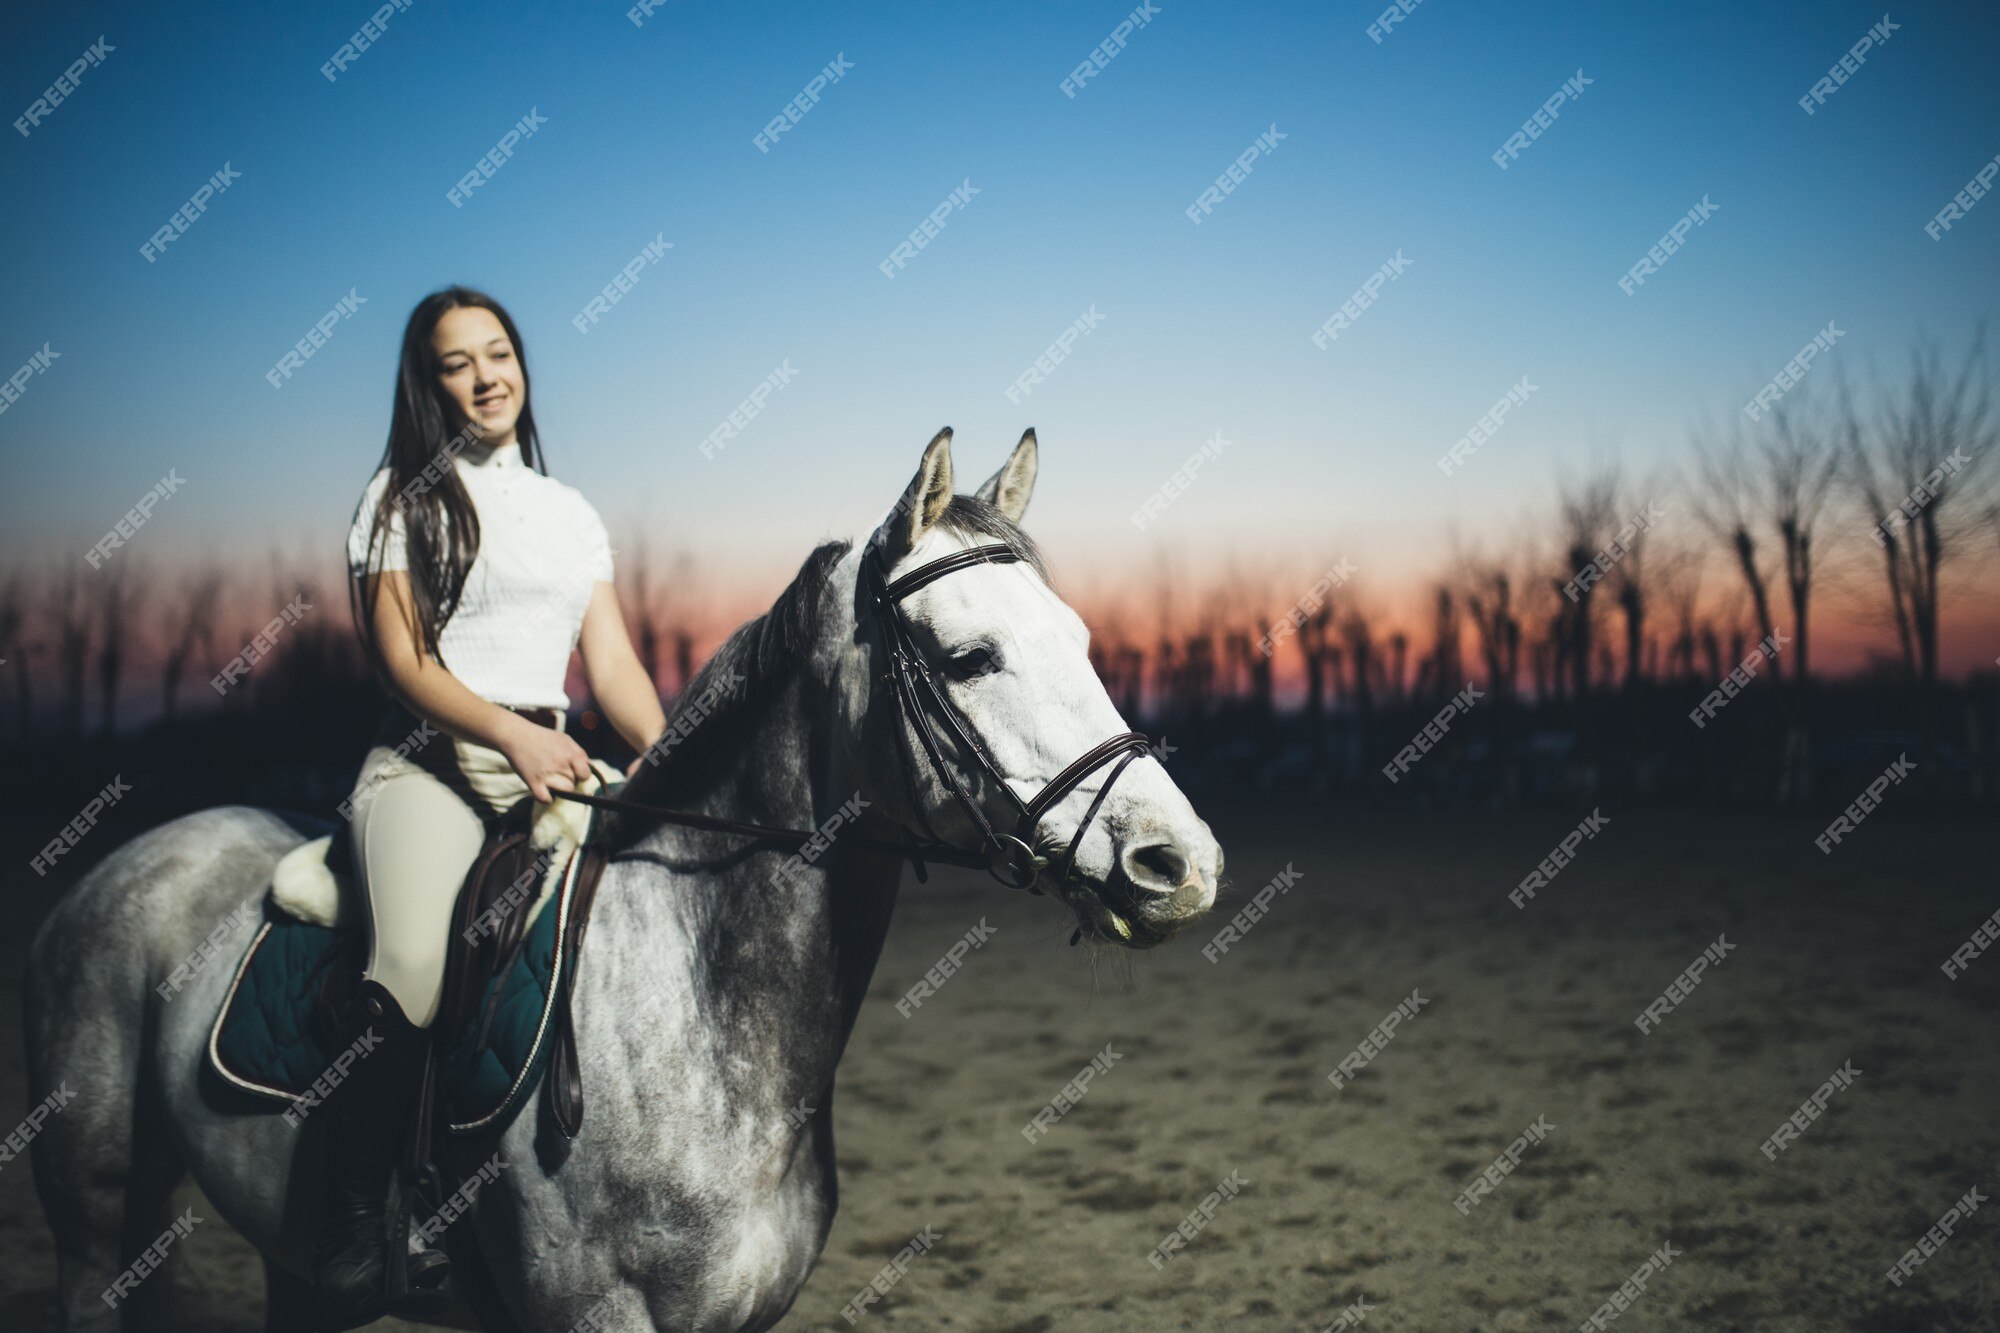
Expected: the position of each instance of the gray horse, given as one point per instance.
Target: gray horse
(718, 983)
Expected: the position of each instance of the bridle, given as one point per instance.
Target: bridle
(1008, 856)
(1012, 858)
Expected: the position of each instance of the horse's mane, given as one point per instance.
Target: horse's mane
(760, 656)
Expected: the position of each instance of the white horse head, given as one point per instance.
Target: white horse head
(1013, 662)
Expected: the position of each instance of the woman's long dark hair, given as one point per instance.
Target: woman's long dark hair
(441, 529)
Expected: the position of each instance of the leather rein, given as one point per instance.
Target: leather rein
(1010, 856)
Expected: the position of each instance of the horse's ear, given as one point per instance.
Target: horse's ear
(923, 501)
(1008, 489)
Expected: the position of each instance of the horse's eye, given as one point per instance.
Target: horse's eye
(973, 662)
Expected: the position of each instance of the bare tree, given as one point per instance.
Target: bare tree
(1487, 586)
(1725, 493)
(66, 608)
(188, 625)
(14, 612)
(124, 586)
(1589, 513)
(644, 605)
(1910, 462)
(1361, 659)
(1800, 462)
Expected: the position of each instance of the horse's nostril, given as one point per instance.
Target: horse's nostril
(1157, 867)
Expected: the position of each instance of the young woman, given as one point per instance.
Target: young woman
(474, 575)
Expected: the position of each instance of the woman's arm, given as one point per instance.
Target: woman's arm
(544, 757)
(617, 678)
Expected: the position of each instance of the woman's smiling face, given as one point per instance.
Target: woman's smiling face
(479, 372)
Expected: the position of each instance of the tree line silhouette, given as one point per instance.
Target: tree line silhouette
(1589, 635)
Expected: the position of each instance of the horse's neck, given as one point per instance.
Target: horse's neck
(751, 930)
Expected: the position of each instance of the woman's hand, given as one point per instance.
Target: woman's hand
(545, 758)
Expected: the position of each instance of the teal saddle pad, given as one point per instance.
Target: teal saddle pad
(266, 1043)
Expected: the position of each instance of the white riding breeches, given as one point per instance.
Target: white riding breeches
(417, 828)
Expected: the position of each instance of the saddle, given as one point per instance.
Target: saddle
(505, 1015)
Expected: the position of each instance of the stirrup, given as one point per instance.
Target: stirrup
(416, 1286)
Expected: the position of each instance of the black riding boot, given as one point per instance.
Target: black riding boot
(369, 1118)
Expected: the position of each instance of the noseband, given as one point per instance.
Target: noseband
(1009, 857)
(1012, 858)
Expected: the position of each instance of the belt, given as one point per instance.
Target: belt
(541, 717)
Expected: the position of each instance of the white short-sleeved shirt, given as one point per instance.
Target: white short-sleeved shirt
(542, 551)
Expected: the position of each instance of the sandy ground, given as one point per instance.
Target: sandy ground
(1222, 1067)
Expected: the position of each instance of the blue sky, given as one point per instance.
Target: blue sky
(1080, 203)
